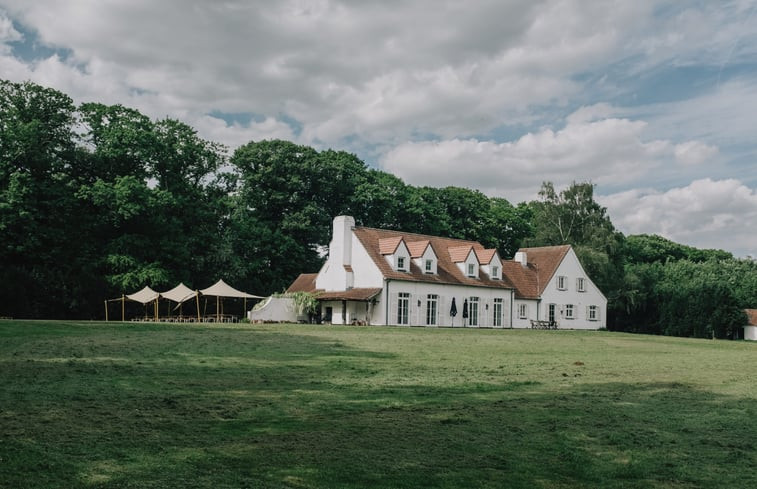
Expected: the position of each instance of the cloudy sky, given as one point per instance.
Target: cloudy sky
(653, 101)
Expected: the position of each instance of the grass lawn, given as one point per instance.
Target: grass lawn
(140, 405)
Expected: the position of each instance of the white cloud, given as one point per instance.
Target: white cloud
(609, 150)
(706, 213)
(694, 153)
(233, 135)
(8, 33)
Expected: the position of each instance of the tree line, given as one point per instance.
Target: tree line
(97, 200)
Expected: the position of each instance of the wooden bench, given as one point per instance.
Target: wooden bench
(543, 324)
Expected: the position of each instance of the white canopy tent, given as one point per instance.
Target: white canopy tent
(180, 294)
(144, 296)
(221, 289)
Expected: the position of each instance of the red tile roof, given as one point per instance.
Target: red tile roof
(417, 248)
(530, 281)
(304, 283)
(359, 294)
(459, 253)
(447, 271)
(485, 256)
(387, 246)
(751, 315)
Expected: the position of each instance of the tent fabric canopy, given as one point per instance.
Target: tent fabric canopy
(222, 289)
(144, 296)
(180, 293)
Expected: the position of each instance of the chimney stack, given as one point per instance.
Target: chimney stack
(521, 258)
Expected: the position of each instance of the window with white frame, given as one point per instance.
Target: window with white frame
(581, 284)
(400, 263)
(562, 282)
(403, 308)
(497, 312)
(569, 311)
(523, 311)
(473, 311)
(471, 270)
(495, 272)
(429, 266)
(432, 301)
(593, 313)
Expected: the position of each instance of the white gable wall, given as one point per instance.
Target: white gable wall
(571, 269)
(428, 254)
(495, 262)
(471, 259)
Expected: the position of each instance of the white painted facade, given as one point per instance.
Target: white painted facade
(571, 298)
(576, 303)
(750, 333)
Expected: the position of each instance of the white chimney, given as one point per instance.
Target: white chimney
(341, 241)
(521, 258)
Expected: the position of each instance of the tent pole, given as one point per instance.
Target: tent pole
(156, 309)
(123, 307)
(218, 312)
(106, 311)
(198, 306)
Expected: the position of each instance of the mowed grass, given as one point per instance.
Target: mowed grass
(298, 406)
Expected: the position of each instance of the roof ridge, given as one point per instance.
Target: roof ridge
(427, 236)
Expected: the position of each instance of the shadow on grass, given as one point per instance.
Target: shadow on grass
(252, 409)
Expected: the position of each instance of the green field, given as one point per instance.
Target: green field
(145, 405)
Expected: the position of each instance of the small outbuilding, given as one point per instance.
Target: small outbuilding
(750, 330)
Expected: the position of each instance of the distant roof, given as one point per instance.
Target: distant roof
(305, 282)
(751, 315)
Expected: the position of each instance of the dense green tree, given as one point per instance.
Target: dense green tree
(39, 247)
(645, 248)
(573, 217)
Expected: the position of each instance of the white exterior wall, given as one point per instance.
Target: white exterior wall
(750, 332)
(531, 311)
(571, 269)
(354, 311)
(367, 274)
(420, 291)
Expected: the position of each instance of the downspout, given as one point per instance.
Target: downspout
(512, 306)
(386, 302)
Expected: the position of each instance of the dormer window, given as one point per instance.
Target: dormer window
(471, 270)
(429, 267)
(401, 263)
(495, 273)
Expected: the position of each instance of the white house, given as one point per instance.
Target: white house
(384, 277)
(750, 330)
